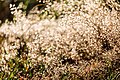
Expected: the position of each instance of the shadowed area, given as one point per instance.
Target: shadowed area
(5, 12)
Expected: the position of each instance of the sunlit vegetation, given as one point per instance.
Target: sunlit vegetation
(60, 40)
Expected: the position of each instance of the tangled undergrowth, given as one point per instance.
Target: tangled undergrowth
(83, 44)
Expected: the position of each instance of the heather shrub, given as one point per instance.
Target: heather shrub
(83, 44)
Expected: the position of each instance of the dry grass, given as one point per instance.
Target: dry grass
(83, 44)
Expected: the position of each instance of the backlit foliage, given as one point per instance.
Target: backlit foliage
(71, 40)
